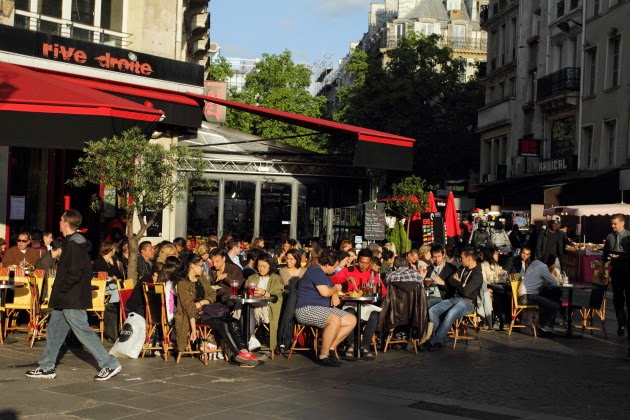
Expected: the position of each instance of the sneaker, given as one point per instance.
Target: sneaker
(426, 346)
(328, 362)
(107, 373)
(349, 353)
(253, 344)
(41, 373)
(366, 354)
(246, 358)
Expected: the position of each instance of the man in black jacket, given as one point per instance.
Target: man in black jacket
(467, 282)
(71, 295)
(550, 242)
(439, 272)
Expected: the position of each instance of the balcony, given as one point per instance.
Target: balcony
(561, 81)
(457, 43)
(495, 114)
(69, 29)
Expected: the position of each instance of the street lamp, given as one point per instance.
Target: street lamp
(565, 27)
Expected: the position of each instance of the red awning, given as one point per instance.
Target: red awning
(375, 149)
(38, 111)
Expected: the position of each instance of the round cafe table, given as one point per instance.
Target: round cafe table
(357, 328)
(3, 294)
(246, 302)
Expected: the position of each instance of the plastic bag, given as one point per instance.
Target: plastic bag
(131, 338)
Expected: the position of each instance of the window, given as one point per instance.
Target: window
(596, 7)
(426, 28)
(613, 52)
(400, 30)
(459, 31)
(512, 87)
(502, 44)
(501, 90)
(611, 134)
(531, 94)
(453, 4)
(591, 69)
(560, 8)
(587, 137)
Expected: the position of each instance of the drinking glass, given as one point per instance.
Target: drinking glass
(251, 289)
(234, 285)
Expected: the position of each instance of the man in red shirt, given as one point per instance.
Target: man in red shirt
(356, 278)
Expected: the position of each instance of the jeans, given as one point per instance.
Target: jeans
(60, 324)
(443, 314)
(369, 328)
(548, 308)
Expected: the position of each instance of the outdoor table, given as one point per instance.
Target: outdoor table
(3, 293)
(246, 302)
(570, 288)
(357, 332)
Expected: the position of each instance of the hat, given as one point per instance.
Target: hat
(555, 218)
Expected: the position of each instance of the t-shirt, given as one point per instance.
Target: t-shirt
(307, 293)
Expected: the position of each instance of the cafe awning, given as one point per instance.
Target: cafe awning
(374, 149)
(37, 110)
(589, 210)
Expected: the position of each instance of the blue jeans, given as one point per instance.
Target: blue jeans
(60, 324)
(443, 314)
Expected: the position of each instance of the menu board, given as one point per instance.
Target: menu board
(432, 228)
(374, 222)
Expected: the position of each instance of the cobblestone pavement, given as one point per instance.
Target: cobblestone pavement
(516, 377)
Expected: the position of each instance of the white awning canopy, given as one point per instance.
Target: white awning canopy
(589, 210)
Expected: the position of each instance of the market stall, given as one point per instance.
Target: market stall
(582, 260)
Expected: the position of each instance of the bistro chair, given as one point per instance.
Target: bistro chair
(98, 305)
(42, 315)
(201, 350)
(124, 293)
(462, 325)
(24, 300)
(308, 335)
(596, 306)
(517, 308)
(157, 324)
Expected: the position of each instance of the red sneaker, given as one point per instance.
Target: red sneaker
(247, 358)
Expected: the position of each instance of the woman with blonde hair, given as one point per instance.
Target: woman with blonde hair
(166, 251)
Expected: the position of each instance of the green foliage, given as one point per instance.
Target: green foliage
(278, 83)
(148, 177)
(399, 238)
(220, 70)
(419, 93)
(409, 197)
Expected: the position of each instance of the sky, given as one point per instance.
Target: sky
(310, 29)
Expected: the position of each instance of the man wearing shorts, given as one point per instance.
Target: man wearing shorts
(317, 301)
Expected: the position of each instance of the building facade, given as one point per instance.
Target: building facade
(556, 108)
(150, 52)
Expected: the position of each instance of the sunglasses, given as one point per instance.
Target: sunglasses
(22, 240)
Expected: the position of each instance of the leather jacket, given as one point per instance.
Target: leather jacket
(404, 304)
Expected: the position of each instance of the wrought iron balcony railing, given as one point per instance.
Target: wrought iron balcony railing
(564, 80)
(464, 43)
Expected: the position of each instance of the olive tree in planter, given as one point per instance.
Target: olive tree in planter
(408, 198)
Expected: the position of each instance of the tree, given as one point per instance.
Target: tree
(147, 176)
(277, 82)
(220, 70)
(419, 94)
(409, 198)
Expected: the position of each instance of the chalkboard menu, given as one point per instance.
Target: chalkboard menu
(374, 224)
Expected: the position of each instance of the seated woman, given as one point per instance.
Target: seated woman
(293, 269)
(194, 293)
(317, 301)
(107, 261)
(166, 274)
(490, 270)
(268, 285)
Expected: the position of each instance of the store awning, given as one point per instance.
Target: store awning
(374, 149)
(589, 210)
(37, 110)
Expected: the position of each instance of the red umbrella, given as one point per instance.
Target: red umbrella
(451, 221)
(431, 207)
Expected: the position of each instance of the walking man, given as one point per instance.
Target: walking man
(70, 297)
(616, 250)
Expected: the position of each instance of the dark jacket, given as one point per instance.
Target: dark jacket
(233, 273)
(542, 245)
(285, 329)
(448, 270)
(624, 242)
(73, 285)
(469, 284)
(404, 304)
(144, 270)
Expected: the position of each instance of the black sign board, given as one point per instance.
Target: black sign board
(374, 224)
(89, 54)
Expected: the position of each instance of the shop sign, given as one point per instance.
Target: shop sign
(528, 147)
(214, 112)
(552, 165)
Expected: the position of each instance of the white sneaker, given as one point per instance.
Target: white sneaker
(253, 344)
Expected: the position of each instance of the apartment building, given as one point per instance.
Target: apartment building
(555, 122)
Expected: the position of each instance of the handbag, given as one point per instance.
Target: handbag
(214, 310)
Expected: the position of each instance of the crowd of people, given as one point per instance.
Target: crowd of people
(306, 284)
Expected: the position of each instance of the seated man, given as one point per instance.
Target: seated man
(438, 272)
(317, 299)
(21, 252)
(465, 283)
(535, 277)
(356, 278)
(403, 273)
